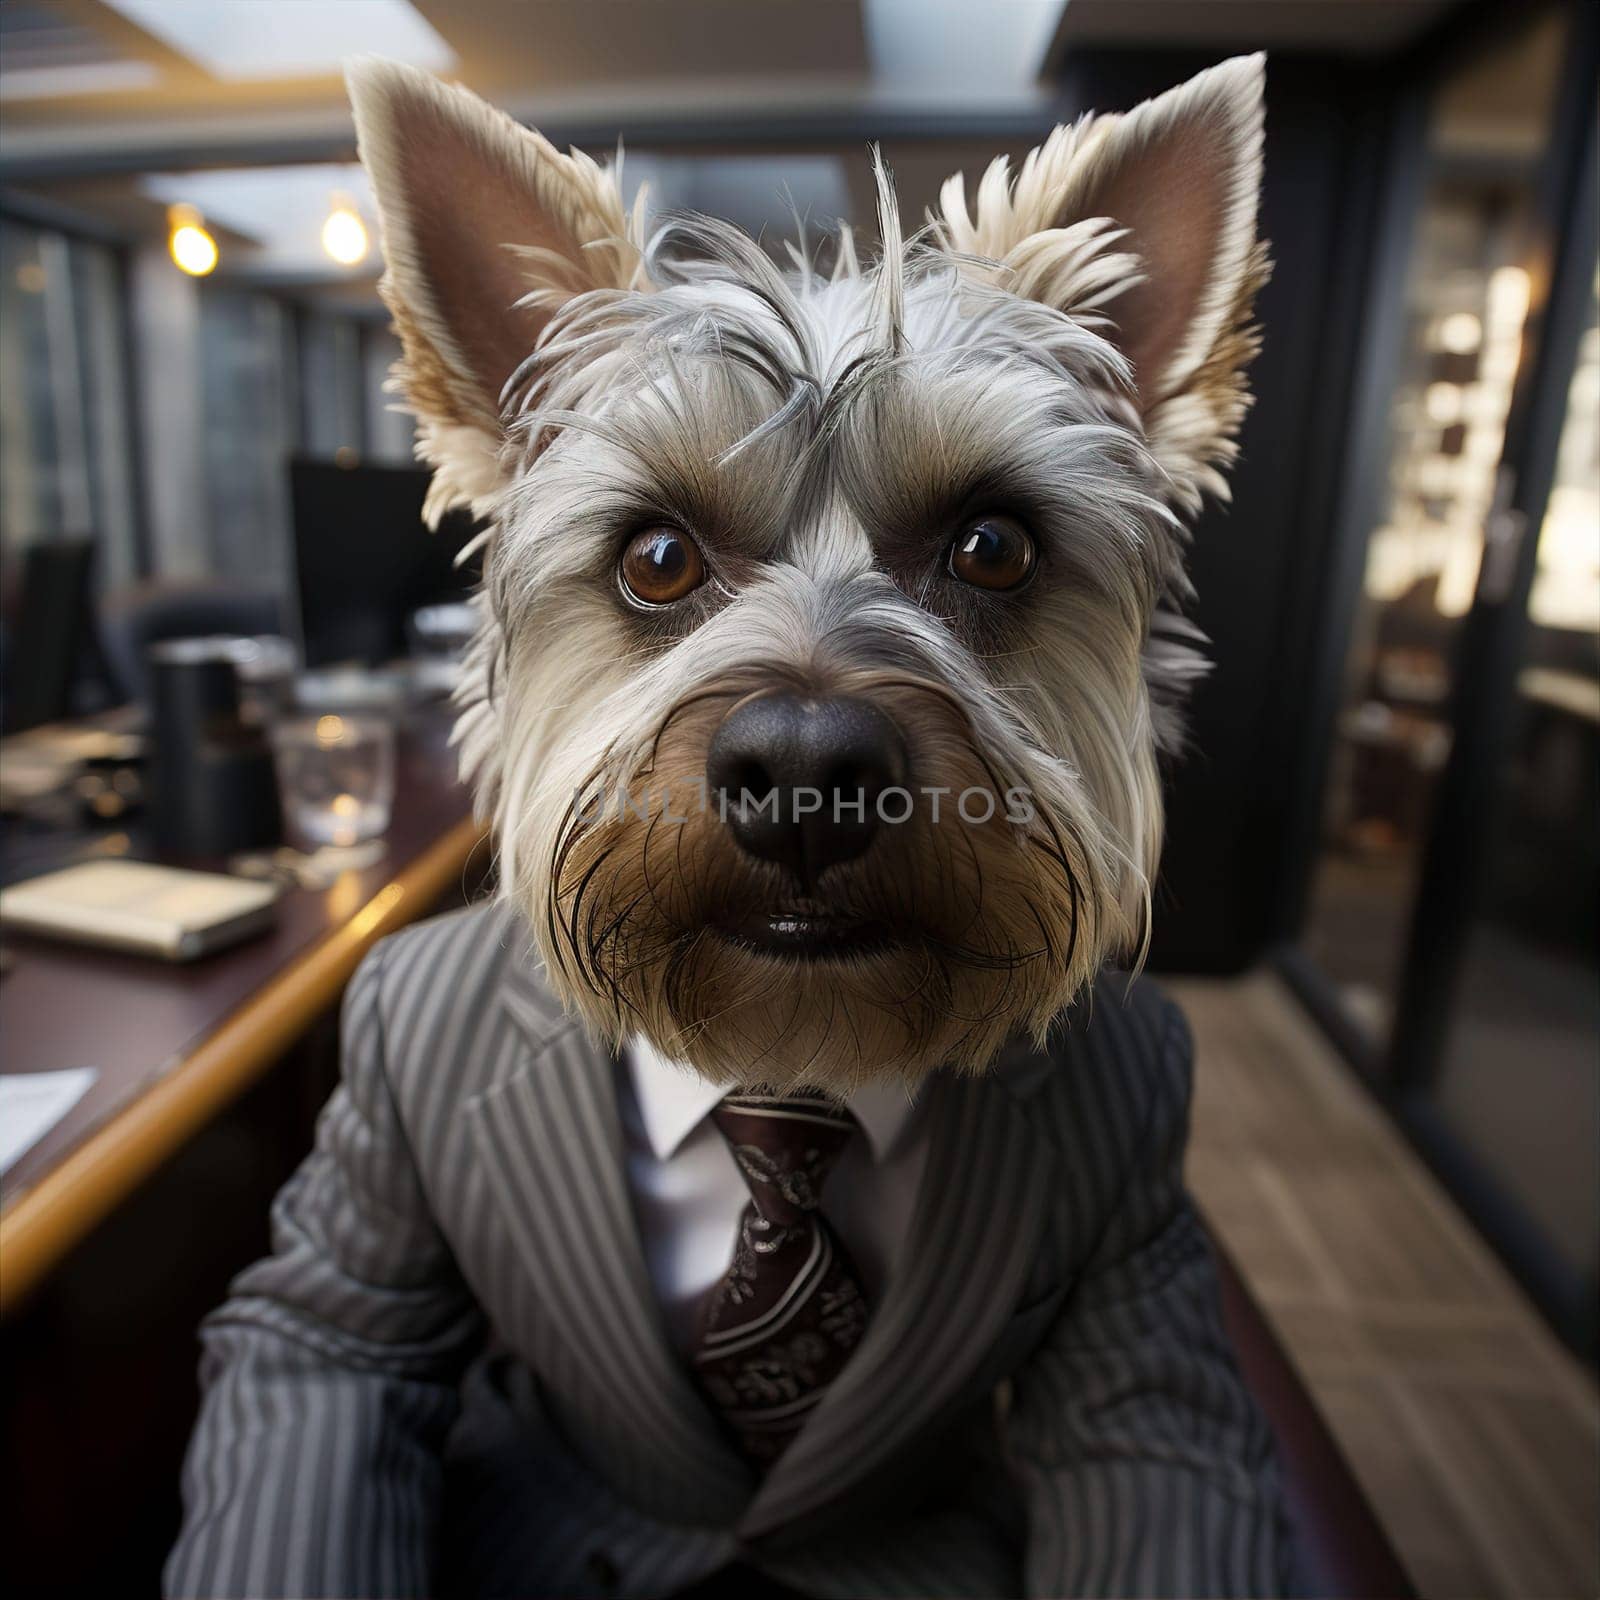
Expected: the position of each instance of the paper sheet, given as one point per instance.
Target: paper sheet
(32, 1103)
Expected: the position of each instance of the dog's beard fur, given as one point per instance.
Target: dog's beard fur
(823, 440)
(985, 916)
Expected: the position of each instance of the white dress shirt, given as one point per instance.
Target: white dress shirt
(688, 1194)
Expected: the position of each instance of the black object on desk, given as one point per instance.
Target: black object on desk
(213, 787)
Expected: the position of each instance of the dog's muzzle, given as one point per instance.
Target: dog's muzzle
(799, 780)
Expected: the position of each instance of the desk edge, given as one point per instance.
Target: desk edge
(43, 1224)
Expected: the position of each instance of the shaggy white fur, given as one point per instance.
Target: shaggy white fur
(822, 438)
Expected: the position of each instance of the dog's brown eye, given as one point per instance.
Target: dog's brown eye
(661, 565)
(993, 553)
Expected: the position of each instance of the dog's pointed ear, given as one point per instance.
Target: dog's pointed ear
(487, 230)
(1146, 222)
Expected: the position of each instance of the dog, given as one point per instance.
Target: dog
(916, 525)
(831, 639)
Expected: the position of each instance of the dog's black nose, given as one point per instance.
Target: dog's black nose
(798, 780)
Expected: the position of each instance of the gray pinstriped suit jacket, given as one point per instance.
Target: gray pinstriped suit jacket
(451, 1375)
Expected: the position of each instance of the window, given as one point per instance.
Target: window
(65, 427)
(244, 382)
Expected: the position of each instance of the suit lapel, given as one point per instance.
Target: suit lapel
(551, 1142)
(984, 1196)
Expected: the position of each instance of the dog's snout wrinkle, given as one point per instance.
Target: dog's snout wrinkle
(798, 779)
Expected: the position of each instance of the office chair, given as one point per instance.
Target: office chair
(133, 619)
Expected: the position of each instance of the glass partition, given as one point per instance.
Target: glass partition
(1520, 1082)
(1467, 297)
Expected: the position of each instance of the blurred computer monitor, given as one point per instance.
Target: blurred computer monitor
(45, 636)
(365, 561)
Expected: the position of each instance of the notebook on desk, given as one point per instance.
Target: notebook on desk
(131, 905)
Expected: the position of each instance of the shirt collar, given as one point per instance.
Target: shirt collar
(673, 1100)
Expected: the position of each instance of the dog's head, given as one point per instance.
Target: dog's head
(831, 625)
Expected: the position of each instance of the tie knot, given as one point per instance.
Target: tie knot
(786, 1145)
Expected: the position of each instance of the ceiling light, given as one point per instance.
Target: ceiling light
(1443, 403)
(192, 247)
(1510, 293)
(1460, 333)
(259, 39)
(344, 234)
(274, 216)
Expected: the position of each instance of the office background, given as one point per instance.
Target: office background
(1390, 814)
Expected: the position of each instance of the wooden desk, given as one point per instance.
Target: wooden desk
(174, 1045)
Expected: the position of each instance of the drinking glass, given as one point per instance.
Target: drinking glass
(335, 776)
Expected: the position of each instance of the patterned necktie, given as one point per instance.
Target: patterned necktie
(781, 1322)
